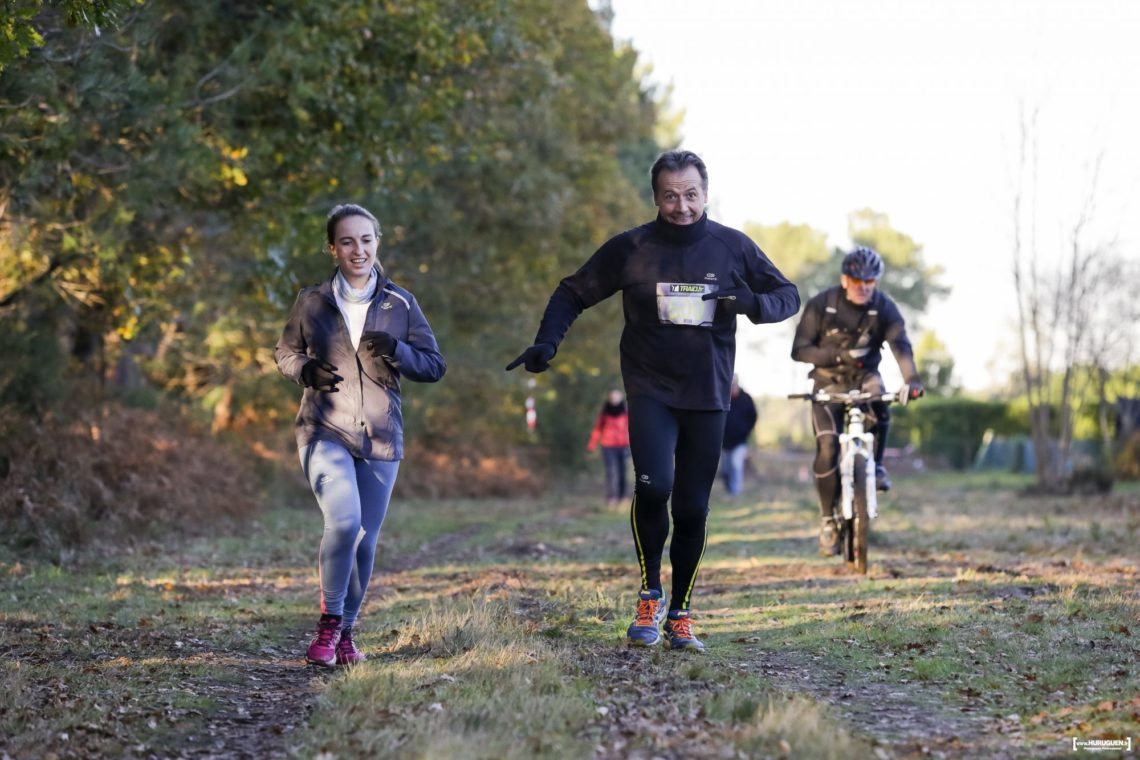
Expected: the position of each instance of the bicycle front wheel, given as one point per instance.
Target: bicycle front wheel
(860, 521)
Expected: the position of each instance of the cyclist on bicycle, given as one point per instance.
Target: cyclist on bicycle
(841, 332)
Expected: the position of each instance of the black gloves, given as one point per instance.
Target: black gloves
(379, 343)
(852, 358)
(912, 390)
(739, 299)
(320, 375)
(536, 358)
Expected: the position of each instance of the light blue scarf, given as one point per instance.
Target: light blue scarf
(350, 294)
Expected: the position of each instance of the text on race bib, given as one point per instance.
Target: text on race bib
(679, 303)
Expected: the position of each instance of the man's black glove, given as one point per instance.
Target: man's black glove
(536, 358)
(320, 375)
(915, 388)
(852, 359)
(379, 343)
(739, 299)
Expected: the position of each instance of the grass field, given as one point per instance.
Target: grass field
(989, 625)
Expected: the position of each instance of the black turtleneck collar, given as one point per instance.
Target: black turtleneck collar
(681, 234)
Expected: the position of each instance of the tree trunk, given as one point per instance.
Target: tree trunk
(1046, 472)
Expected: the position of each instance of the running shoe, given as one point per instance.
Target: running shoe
(882, 479)
(679, 632)
(323, 650)
(346, 651)
(643, 631)
(828, 537)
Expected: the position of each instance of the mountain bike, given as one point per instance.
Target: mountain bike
(858, 502)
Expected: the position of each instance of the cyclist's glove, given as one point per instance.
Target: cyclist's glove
(910, 391)
(536, 358)
(739, 299)
(852, 358)
(320, 376)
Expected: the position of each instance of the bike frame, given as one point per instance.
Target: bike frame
(856, 443)
(856, 459)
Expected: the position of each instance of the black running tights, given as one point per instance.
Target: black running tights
(675, 452)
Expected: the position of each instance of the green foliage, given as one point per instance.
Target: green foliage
(25, 22)
(168, 180)
(32, 369)
(800, 249)
(935, 365)
(951, 429)
(803, 255)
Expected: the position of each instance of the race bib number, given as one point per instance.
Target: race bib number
(679, 303)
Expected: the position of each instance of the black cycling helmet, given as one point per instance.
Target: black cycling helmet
(863, 264)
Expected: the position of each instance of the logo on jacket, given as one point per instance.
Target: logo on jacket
(710, 276)
(386, 305)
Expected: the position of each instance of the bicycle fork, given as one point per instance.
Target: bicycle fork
(854, 443)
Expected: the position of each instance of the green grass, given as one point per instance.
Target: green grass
(495, 629)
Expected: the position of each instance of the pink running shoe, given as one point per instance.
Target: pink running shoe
(323, 650)
(346, 651)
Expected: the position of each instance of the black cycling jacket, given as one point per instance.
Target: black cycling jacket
(675, 348)
(822, 337)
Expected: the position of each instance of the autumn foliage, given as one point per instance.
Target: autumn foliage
(113, 473)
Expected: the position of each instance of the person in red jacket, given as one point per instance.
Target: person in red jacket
(611, 430)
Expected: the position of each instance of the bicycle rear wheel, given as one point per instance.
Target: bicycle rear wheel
(860, 524)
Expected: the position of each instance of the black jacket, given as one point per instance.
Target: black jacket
(822, 336)
(675, 348)
(740, 420)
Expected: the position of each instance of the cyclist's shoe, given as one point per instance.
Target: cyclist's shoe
(322, 651)
(651, 609)
(828, 537)
(346, 651)
(679, 632)
(882, 480)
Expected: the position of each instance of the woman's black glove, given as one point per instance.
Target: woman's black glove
(320, 375)
(739, 299)
(536, 358)
(379, 343)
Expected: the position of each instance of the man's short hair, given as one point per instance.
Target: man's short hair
(678, 161)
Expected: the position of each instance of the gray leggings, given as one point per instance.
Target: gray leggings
(353, 495)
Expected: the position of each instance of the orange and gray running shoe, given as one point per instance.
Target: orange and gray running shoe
(643, 631)
(679, 632)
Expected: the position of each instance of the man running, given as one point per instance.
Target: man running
(684, 279)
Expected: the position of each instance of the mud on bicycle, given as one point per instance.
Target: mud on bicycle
(858, 493)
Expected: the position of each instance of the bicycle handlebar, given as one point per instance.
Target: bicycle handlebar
(854, 397)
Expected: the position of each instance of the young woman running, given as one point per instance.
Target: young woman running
(349, 340)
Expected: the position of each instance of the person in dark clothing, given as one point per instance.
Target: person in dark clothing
(684, 280)
(841, 332)
(611, 430)
(737, 429)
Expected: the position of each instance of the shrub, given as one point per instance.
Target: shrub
(951, 429)
(114, 473)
